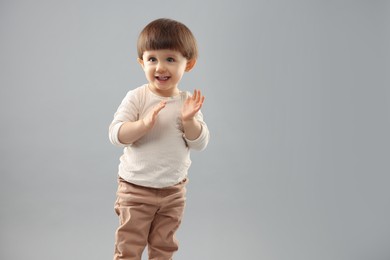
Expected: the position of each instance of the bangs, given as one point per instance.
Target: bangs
(159, 40)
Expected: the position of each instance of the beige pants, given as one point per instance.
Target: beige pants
(148, 216)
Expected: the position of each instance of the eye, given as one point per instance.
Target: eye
(152, 59)
(170, 59)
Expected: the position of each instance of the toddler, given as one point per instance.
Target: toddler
(157, 124)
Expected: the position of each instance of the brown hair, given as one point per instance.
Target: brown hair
(167, 34)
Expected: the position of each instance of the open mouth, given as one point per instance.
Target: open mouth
(162, 78)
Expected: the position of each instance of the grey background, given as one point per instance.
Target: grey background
(297, 101)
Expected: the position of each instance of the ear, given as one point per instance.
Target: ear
(190, 65)
(141, 62)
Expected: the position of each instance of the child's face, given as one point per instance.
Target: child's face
(164, 70)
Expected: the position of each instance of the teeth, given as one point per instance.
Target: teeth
(162, 78)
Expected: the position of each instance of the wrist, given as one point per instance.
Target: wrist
(188, 120)
(144, 125)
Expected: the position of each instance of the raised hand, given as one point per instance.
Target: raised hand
(192, 105)
(150, 118)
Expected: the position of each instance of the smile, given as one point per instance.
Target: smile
(162, 78)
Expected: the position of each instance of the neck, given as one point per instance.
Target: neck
(162, 93)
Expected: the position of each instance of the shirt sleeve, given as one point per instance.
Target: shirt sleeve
(201, 142)
(128, 111)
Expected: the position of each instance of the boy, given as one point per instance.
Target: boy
(157, 124)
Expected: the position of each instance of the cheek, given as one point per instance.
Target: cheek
(181, 69)
(148, 70)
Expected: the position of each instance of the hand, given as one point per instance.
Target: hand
(151, 117)
(192, 105)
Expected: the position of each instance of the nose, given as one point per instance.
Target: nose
(160, 67)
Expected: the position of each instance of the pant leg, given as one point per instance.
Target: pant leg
(162, 243)
(136, 208)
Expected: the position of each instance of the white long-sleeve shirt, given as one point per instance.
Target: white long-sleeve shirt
(161, 157)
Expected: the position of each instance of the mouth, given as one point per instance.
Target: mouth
(162, 78)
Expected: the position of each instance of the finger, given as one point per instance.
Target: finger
(195, 95)
(199, 98)
(200, 103)
(160, 106)
(203, 97)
